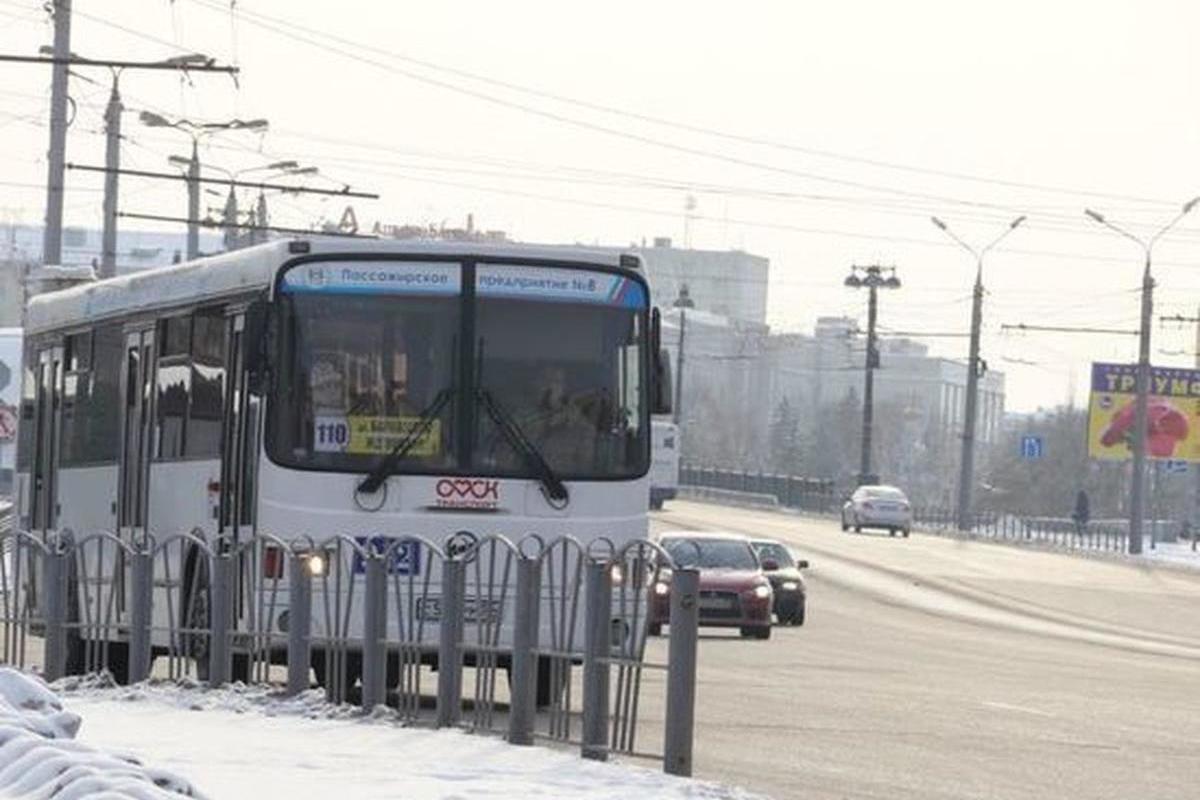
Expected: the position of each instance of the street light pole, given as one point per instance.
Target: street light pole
(1141, 408)
(966, 477)
(195, 130)
(872, 279)
(683, 302)
(193, 189)
(112, 163)
(56, 155)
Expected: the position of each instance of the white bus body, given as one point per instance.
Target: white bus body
(141, 416)
(664, 464)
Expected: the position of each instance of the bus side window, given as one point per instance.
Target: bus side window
(91, 397)
(207, 396)
(174, 381)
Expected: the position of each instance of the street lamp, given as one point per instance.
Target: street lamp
(974, 370)
(1142, 403)
(683, 302)
(873, 279)
(196, 130)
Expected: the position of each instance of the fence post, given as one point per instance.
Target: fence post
(140, 611)
(220, 665)
(523, 705)
(55, 574)
(449, 696)
(374, 656)
(681, 672)
(299, 623)
(598, 588)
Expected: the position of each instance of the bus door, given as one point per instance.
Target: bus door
(137, 426)
(238, 451)
(47, 425)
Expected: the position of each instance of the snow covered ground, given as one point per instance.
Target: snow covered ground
(246, 742)
(41, 758)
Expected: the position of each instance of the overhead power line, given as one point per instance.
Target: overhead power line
(277, 25)
(280, 27)
(1021, 326)
(211, 223)
(142, 173)
(173, 65)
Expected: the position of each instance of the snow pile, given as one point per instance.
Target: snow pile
(40, 758)
(251, 742)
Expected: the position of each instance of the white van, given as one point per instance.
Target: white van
(10, 396)
(664, 464)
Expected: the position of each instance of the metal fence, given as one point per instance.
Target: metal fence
(821, 497)
(806, 494)
(369, 620)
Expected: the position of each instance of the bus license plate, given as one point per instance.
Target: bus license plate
(406, 554)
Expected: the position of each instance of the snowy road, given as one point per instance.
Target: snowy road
(936, 668)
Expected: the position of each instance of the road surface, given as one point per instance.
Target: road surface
(937, 668)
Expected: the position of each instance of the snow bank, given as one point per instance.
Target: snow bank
(250, 742)
(40, 757)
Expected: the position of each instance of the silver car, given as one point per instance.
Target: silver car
(881, 507)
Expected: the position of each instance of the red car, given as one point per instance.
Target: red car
(734, 590)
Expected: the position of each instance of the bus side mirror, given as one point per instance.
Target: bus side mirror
(258, 337)
(662, 384)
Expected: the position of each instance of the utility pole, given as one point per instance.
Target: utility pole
(57, 155)
(193, 190)
(112, 163)
(975, 369)
(683, 302)
(1142, 404)
(872, 279)
(230, 217)
(61, 61)
(261, 220)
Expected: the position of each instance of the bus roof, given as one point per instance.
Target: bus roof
(251, 268)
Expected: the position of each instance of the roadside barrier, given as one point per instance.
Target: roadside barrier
(367, 619)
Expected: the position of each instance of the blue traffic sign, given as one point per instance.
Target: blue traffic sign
(1032, 448)
(1175, 467)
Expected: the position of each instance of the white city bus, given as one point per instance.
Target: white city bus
(266, 390)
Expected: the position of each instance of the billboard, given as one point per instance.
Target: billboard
(1173, 432)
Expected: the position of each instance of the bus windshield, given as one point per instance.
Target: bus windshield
(366, 349)
(554, 365)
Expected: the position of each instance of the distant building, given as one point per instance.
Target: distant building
(918, 398)
(136, 250)
(729, 283)
(726, 283)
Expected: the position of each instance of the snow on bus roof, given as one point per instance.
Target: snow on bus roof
(194, 282)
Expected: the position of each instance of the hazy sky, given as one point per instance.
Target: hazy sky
(867, 117)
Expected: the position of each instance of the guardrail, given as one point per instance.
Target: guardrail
(806, 494)
(818, 497)
(368, 619)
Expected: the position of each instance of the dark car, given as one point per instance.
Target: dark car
(734, 590)
(783, 570)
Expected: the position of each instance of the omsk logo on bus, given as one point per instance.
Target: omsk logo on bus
(406, 554)
(477, 494)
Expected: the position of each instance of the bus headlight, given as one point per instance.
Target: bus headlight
(762, 591)
(617, 574)
(661, 588)
(316, 565)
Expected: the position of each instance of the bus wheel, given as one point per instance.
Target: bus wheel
(198, 621)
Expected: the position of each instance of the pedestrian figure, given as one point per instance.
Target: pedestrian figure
(1082, 513)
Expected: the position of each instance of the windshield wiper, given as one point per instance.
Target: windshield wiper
(553, 487)
(387, 464)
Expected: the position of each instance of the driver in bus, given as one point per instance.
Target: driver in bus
(564, 427)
